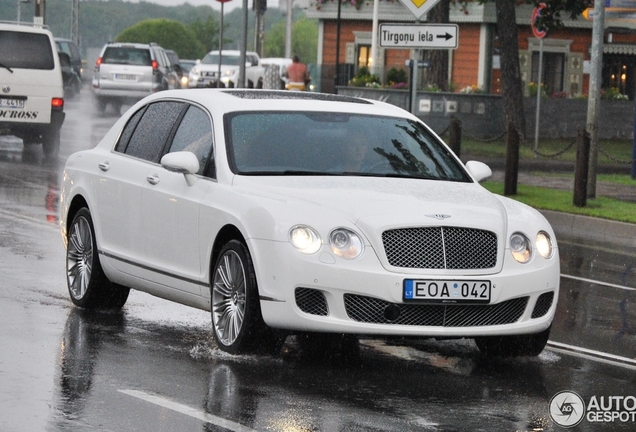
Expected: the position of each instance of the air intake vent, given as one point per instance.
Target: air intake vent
(311, 301)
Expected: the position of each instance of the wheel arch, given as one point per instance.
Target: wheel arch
(77, 203)
(226, 233)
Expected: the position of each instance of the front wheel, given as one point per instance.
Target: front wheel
(87, 284)
(236, 312)
(513, 346)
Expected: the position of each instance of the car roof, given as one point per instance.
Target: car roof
(25, 27)
(221, 101)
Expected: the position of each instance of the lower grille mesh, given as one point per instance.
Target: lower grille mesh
(376, 311)
(311, 301)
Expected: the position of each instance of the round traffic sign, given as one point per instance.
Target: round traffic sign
(538, 33)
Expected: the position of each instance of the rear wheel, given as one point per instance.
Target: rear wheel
(236, 313)
(87, 284)
(513, 346)
(51, 143)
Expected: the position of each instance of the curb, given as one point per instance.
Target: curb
(592, 229)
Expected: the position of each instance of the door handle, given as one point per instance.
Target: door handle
(104, 166)
(153, 179)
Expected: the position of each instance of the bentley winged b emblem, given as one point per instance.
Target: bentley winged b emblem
(438, 216)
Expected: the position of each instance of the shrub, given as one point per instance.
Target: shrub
(364, 78)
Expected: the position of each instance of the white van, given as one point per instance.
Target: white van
(31, 89)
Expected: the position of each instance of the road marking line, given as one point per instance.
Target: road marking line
(597, 282)
(189, 411)
(589, 354)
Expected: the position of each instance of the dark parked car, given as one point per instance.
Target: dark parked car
(71, 80)
(70, 48)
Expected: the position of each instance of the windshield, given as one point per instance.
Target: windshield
(319, 143)
(227, 59)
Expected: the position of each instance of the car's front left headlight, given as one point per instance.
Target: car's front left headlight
(346, 243)
(520, 247)
(544, 245)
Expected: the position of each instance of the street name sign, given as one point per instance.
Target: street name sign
(423, 36)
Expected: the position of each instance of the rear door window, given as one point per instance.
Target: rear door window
(153, 130)
(21, 50)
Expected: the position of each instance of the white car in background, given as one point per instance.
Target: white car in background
(285, 212)
(206, 72)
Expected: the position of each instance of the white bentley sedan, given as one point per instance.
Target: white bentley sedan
(289, 212)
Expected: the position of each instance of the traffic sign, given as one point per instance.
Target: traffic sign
(426, 36)
(419, 7)
(536, 13)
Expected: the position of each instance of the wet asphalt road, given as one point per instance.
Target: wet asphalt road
(154, 367)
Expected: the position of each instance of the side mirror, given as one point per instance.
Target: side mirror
(479, 170)
(183, 162)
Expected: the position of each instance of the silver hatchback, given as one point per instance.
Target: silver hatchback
(127, 72)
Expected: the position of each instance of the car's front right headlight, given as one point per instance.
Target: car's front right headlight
(305, 239)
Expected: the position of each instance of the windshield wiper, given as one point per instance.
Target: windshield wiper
(6, 67)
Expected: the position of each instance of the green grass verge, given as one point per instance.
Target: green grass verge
(560, 200)
(624, 179)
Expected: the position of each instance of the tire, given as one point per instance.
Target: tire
(100, 105)
(51, 143)
(237, 322)
(514, 346)
(87, 284)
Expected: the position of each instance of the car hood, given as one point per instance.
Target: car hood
(376, 204)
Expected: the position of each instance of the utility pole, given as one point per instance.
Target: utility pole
(288, 28)
(593, 101)
(40, 12)
(259, 6)
(75, 36)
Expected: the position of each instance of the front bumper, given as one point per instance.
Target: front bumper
(323, 293)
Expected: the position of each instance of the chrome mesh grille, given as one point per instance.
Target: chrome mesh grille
(311, 301)
(440, 248)
(376, 311)
(544, 302)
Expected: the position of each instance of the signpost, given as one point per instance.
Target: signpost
(539, 33)
(427, 36)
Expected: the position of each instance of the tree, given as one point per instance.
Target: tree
(207, 32)
(511, 91)
(167, 33)
(304, 40)
(438, 59)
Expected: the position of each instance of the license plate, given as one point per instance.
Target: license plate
(447, 291)
(12, 103)
(125, 77)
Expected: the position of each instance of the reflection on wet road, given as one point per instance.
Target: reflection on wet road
(154, 365)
